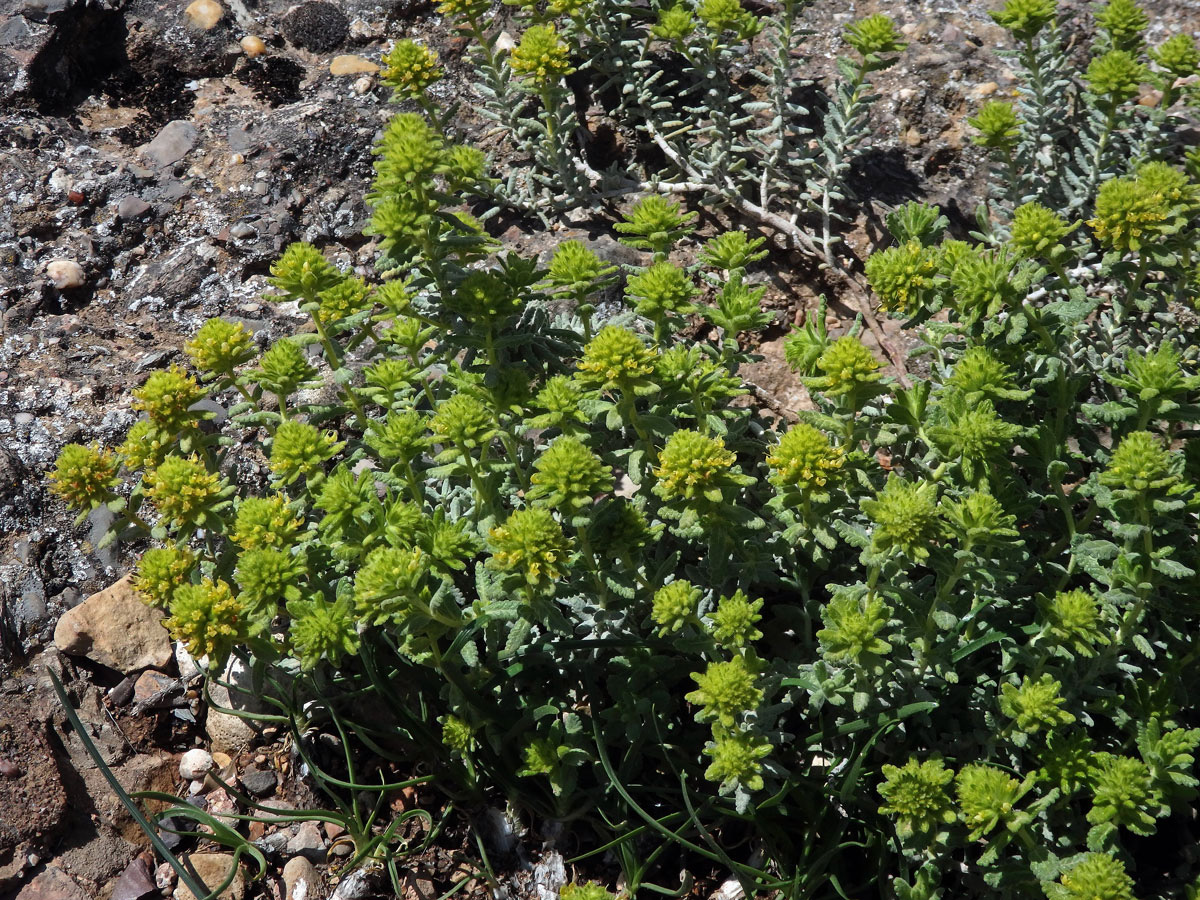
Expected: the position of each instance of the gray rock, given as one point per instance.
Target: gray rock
(30, 614)
(116, 629)
(171, 144)
(195, 764)
(307, 842)
(259, 782)
(300, 880)
(43, 10)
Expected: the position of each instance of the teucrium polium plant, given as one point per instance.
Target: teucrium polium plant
(929, 638)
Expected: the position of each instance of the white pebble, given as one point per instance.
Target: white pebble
(65, 274)
(195, 764)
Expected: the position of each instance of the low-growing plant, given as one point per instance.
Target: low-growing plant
(923, 640)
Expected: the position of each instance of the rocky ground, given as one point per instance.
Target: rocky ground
(154, 160)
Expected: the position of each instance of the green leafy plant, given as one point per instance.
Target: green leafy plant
(928, 638)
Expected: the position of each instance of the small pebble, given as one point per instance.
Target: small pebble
(363, 85)
(65, 274)
(243, 231)
(236, 159)
(349, 64)
(253, 46)
(164, 877)
(204, 14)
(195, 764)
(23, 418)
(986, 89)
(221, 760)
(8, 768)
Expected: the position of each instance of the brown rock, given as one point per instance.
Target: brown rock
(252, 46)
(116, 629)
(204, 14)
(135, 883)
(301, 880)
(349, 64)
(52, 884)
(213, 868)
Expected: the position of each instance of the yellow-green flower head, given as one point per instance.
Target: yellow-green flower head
(616, 360)
(976, 434)
(458, 736)
(410, 68)
(167, 398)
(845, 366)
(804, 459)
(532, 544)
(851, 631)
(732, 250)
(1123, 21)
(979, 518)
(1073, 620)
(905, 518)
(1178, 55)
(284, 368)
(1116, 75)
(1066, 760)
(728, 15)
(1025, 18)
(268, 575)
(725, 691)
(85, 476)
(450, 544)
(390, 584)
(402, 220)
(265, 522)
(219, 347)
(463, 10)
(997, 124)
(322, 630)
(1173, 185)
(541, 56)
(568, 476)
(299, 449)
(675, 23)
(349, 296)
(483, 297)
(465, 166)
(302, 272)
(409, 334)
(1141, 464)
(689, 369)
(674, 606)
(464, 422)
(160, 571)
(736, 758)
(541, 758)
(918, 795)
(734, 621)
(621, 529)
(588, 891)
(183, 490)
(874, 36)
(980, 374)
(693, 466)
(986, 797)
(902, 276)
(983, 284)
(1128, 212)
(952, 253)
(662, 288)
(1038, 232)
(1035, 704)
(1154, 375)
(410, 151)
(209, 618)
(146, 445)
(1122, 793)
(402, 436)
(576, 269)
(1098, 876)
(390, 380)
(572, 9)
(558, 401)
(655, 223)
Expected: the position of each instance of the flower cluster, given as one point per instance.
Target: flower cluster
(1025, 18)
(725, 691)
(219, 347)
(85, 476)
(209, 618)
(532, 544)
(674, 606)
(903, 276)
(541, 56)
(917, 793)
(1035, 704)
(656, 224)
(905, 518)
(569, 476)
(804, 459)
(410, 69)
